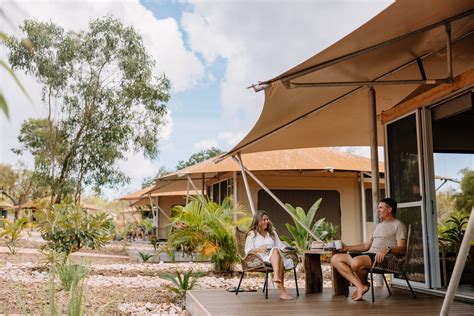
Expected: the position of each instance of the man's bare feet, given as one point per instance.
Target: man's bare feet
(285, 296)
(360, 291)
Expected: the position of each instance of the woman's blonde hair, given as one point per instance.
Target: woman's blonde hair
(255, 227)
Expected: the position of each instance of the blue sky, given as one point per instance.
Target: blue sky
(210, 50)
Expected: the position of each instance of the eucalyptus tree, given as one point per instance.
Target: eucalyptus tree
(199, 157)
(103, 100)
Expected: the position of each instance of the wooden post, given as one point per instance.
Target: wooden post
(374, 155)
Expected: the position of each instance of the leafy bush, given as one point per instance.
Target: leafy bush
(451, 232)
(144, 257)
(12, 232)
(300, 238)
(182, 283)
(326, 231)
(207, 227)
(68, 228)
(70, 274)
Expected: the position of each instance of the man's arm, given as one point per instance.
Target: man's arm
(398, 250)
(358, 248)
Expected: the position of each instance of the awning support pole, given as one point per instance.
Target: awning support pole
(459, 266)
(187, 191)
(449, 52)
(374, 155)
(260, 183)
(190, 181)
(363, 207)
(234, 193)
(157, 218)
(247, 187)
(154, 215)
(203, 184)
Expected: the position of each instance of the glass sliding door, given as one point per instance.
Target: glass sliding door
(403, 139)
(452, 174)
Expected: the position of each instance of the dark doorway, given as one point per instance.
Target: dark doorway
(330, 207)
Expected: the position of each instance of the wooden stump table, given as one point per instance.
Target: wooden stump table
(314, 274)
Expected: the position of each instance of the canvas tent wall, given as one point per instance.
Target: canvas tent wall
(298, 177)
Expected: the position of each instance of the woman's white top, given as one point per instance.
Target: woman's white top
(253, 242)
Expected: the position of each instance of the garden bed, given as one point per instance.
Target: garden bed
(115, 284)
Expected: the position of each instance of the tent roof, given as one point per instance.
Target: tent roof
(168, 188)
(136, 195)
(338, 115)
(279, 160)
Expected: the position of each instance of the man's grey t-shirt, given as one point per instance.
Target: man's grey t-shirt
(387, 234)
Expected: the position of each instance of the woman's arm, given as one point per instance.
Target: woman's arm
(250, 244)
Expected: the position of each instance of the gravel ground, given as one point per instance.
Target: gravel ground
(115, 284)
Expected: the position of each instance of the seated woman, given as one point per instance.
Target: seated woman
(263, 240)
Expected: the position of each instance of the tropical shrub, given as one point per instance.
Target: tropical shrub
(68, 228)
(12, 232)
(299, 237)
(451, 232)
(181, 283)
(206, 227)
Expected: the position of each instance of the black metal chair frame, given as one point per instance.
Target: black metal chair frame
(254, 263)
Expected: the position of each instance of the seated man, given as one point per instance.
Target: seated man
(389, 236)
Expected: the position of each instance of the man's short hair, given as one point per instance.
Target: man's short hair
(391, 203)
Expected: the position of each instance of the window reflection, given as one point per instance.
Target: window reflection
(403, 160)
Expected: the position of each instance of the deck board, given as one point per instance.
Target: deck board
(220, 302)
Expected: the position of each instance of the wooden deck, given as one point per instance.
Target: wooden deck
(221, 302)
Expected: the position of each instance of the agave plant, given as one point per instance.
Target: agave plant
(182, 283)
(144, 256)
(206, 227)
(12, 232)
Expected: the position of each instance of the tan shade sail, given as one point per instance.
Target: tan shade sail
(338, 115)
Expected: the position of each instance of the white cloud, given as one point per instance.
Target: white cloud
(229, 139)
(167, 127)
(205, 144)
(262, 39)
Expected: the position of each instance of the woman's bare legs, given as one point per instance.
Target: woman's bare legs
(279, 274)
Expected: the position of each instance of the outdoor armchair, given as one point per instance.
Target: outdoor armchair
(392, 264)
(254, 263)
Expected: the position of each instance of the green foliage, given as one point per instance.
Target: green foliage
(4, 65)
(18, 184)
(199, 157)
(70, 275)
(451, 231)
(445, 204)
(206, 227)
(326, 231)
(299, 237)
(144, 256)
(12, 232)
(67, 228)
(103, 100)
(464, 200)
(181, 282)
(163, 171)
